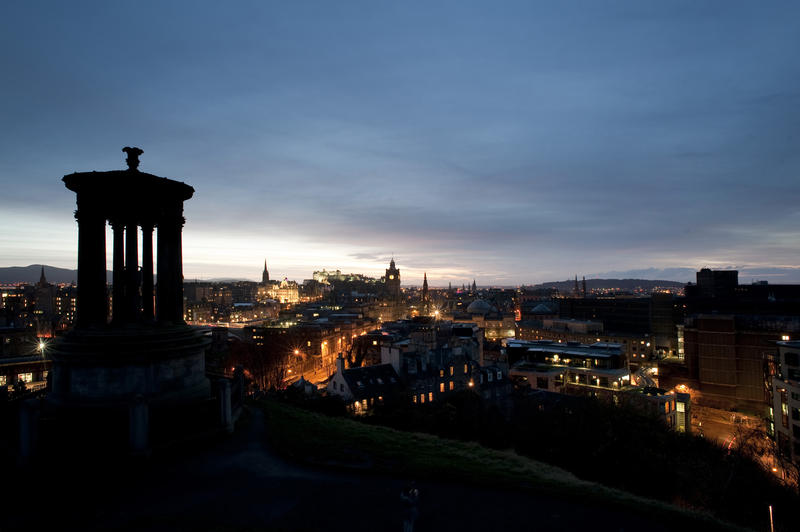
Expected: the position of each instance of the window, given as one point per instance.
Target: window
(488, 375)
(430, 396)
(422, 398)
(414, 398)
(466, 368)
(451, 370)
(499, 375)
(451, 385)
(441, 387)
(441, 373)
(25, 377)
(3, 380)
(680, 406)
(341, 387)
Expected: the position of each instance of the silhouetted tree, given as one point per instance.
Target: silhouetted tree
(265, 365)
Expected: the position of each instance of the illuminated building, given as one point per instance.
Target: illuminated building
(784, 412)
(281, 291)
(361, 388)
(598, 371)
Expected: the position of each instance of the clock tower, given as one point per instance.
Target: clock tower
(392, 281)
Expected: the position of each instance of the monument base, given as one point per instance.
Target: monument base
(128, 388)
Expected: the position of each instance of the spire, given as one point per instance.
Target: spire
(425, 286)
(474, 286)
(42, 278)
(584, 286)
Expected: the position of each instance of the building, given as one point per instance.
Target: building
(22, 358)
(392, 281)
(572, 368)
(361, 388)
(637, 348)
(285, 291)
(728, 355)
(784, 412)
(596, 371)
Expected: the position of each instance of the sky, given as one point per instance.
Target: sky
(507, 142)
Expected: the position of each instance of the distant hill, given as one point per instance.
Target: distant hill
(625, 285)
(30, 274)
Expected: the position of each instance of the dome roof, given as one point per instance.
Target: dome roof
(541, 308)
(479, 306)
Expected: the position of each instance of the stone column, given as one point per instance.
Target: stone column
(148, 311)
(170, 267)
(132, 271)
(92, 304)
(118, 294)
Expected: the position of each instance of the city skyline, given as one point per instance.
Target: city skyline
(511, 145)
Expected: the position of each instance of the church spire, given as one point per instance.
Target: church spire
(265, 274)
(425, 287)
(42, 278)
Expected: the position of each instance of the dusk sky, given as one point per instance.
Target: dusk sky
(509, 142)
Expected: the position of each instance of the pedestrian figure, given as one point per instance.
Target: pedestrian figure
(410, 498)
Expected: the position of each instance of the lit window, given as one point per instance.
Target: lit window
(3, 380)
(466, 367)
(422, 398)
(430, 396)
(25, 377)
(415, 398)
(451, 385)
(680, 407)
(374, 342)
(451, 370)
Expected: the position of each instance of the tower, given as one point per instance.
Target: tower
(146, 361)
(265, 274)
(474, 286)
(425, 287)
(393, 281)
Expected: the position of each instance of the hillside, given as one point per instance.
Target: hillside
(625, 285)
(30, 274)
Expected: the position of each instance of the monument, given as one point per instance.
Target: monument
(129, 377)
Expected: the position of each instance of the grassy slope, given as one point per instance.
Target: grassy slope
(337, 442)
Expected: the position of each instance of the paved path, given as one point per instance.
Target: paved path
(239, 484)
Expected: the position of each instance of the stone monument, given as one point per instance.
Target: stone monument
(142, 362)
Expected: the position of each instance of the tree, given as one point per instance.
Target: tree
(265, 365)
